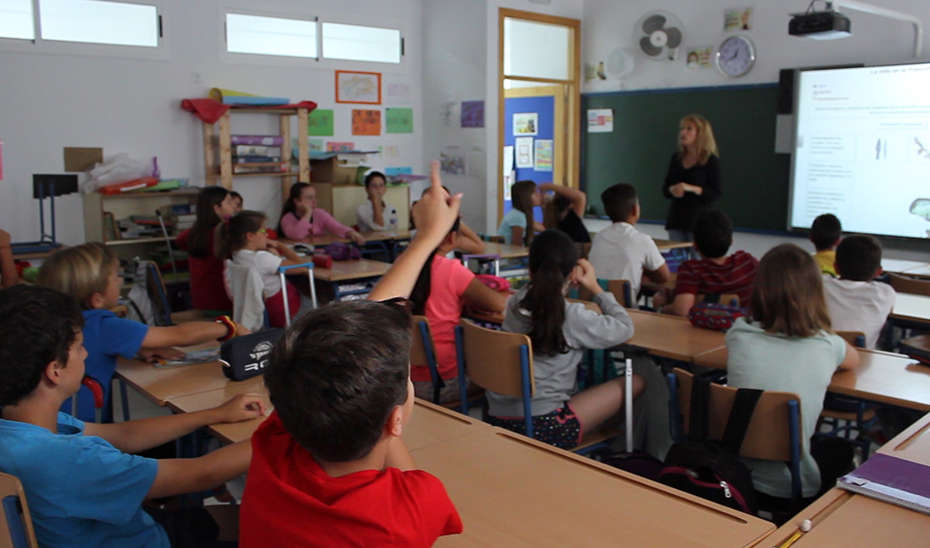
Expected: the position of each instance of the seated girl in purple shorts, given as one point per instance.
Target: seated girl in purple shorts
(560, 332)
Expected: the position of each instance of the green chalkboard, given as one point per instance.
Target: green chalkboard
(754, 178)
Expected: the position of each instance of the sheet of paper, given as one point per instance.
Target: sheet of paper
(524, 151)
(398, 120)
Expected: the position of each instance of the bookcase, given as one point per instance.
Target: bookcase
(217, 147)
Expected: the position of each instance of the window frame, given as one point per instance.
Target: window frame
(401, 45)
(229, 10)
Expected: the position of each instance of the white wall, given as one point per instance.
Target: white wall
(609, 24)
(132, 105)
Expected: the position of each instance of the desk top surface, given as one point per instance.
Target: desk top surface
(908, 306)
(880, 376)
(515, 492)
(351, 270)
(902, 266)
(672, 336)
(326, 239)
(505, 251)
(913, 444)
(668, 245)
(160, 385)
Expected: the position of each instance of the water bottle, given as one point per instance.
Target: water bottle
(393, 226)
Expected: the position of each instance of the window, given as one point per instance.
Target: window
(270, 36)
(16, 19)
(98, 22)
(357, 43)
(536, 50)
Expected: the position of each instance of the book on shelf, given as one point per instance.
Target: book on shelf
(247, 151)
(890, 479)
(276, 167)
(268, 140)
(255, 159)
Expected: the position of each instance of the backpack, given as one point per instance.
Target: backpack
(342, 252)
(719, 317)
(711, 469)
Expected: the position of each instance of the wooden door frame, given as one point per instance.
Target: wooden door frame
(572, 129)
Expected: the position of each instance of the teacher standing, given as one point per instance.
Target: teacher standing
(693, 180)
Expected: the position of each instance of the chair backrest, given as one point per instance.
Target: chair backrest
(245, 286)
(855, 338)
(906, 284)
(492, 359)
(15, 522)
(768, 436)
(423, 352)
(728, 299)
(621, 289)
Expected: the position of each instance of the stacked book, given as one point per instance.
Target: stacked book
(140, 226)
(179, 216)
(257, 154)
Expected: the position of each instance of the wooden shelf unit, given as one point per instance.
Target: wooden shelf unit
(217, 147)
(124, 205)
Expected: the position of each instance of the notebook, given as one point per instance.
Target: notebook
(890, 479)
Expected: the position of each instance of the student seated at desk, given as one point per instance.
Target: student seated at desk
(89, 273)
(214, 206)
(374, 214)
(329, 467)
(519, 226)
(564, 211)
(83, 488)
(620, 252)
(787, 345)
(715, 273)
(855, 301)
(825, 235)
(561, 332)
(300, 217)
(466, 239)
(245, 242)
(444, 287)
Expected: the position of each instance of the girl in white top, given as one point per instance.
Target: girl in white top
(245, 242)
(374, 214)
(787, 345)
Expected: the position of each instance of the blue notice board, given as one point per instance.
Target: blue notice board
(545, 108)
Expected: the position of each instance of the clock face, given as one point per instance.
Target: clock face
(735, 56)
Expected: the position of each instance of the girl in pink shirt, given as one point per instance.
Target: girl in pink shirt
(301, 218)
(444, 287)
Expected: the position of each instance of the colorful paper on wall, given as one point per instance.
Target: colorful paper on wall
(472, 113)
(320, 123)
(366, 122)
(543, 155)
(339, 146)
(395, 171)
(600, 120)
(452, 161)
(398, 120)
(316, 145)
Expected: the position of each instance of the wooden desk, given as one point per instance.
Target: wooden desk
(913, 444)
(672, 336)
(515, 492)
(160, 385)
(231, 432)
(326, 239)
(910, 307)
(431, 424)
(842, 519)
(505, 251)
(881, 376)
(342, 271)
(668, 245)
(901, 266)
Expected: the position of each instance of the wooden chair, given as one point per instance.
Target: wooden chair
(855, 413)
(503, 362)
(15, 522)
(906, 284)
(621, 289)
(423, 351)
(774, 430)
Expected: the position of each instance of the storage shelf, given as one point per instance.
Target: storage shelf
(157, 194)
(269, 110)
(131, 241)
(269, 174)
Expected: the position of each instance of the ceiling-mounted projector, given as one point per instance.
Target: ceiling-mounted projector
(821, 25)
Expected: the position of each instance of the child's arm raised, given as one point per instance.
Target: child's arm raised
(188, 334)
(434, 215)
(141, 434)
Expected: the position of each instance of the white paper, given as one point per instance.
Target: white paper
(600, 120)
(524, 151)
(507, 166)
(475, 163)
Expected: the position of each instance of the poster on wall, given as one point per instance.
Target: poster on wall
(543, 155)
(358, 87)
(524, 151)
(320, 123)
(700, 57)
(472, 113)
(398, 120)
(452, 160)
(339, 146)
(366, 122)
(600, 120)
(737, 19)
(507, 171)
(476, 163)
(525, 123)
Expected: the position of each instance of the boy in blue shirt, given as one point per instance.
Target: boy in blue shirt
(90, 274)
(82, 486)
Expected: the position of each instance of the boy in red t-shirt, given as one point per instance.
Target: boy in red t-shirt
(328, 466)
(715, 273)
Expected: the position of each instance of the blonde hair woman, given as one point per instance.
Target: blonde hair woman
(693, 180)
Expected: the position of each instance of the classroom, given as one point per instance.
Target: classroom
(62, 96)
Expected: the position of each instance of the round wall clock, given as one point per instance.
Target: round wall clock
(736, 55)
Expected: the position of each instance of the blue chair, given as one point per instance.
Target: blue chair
(774, 431)
(423, 351)
(503, 363)
(856, 414)
(15, 522)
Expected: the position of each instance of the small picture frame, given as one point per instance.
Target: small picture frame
(362, 88)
